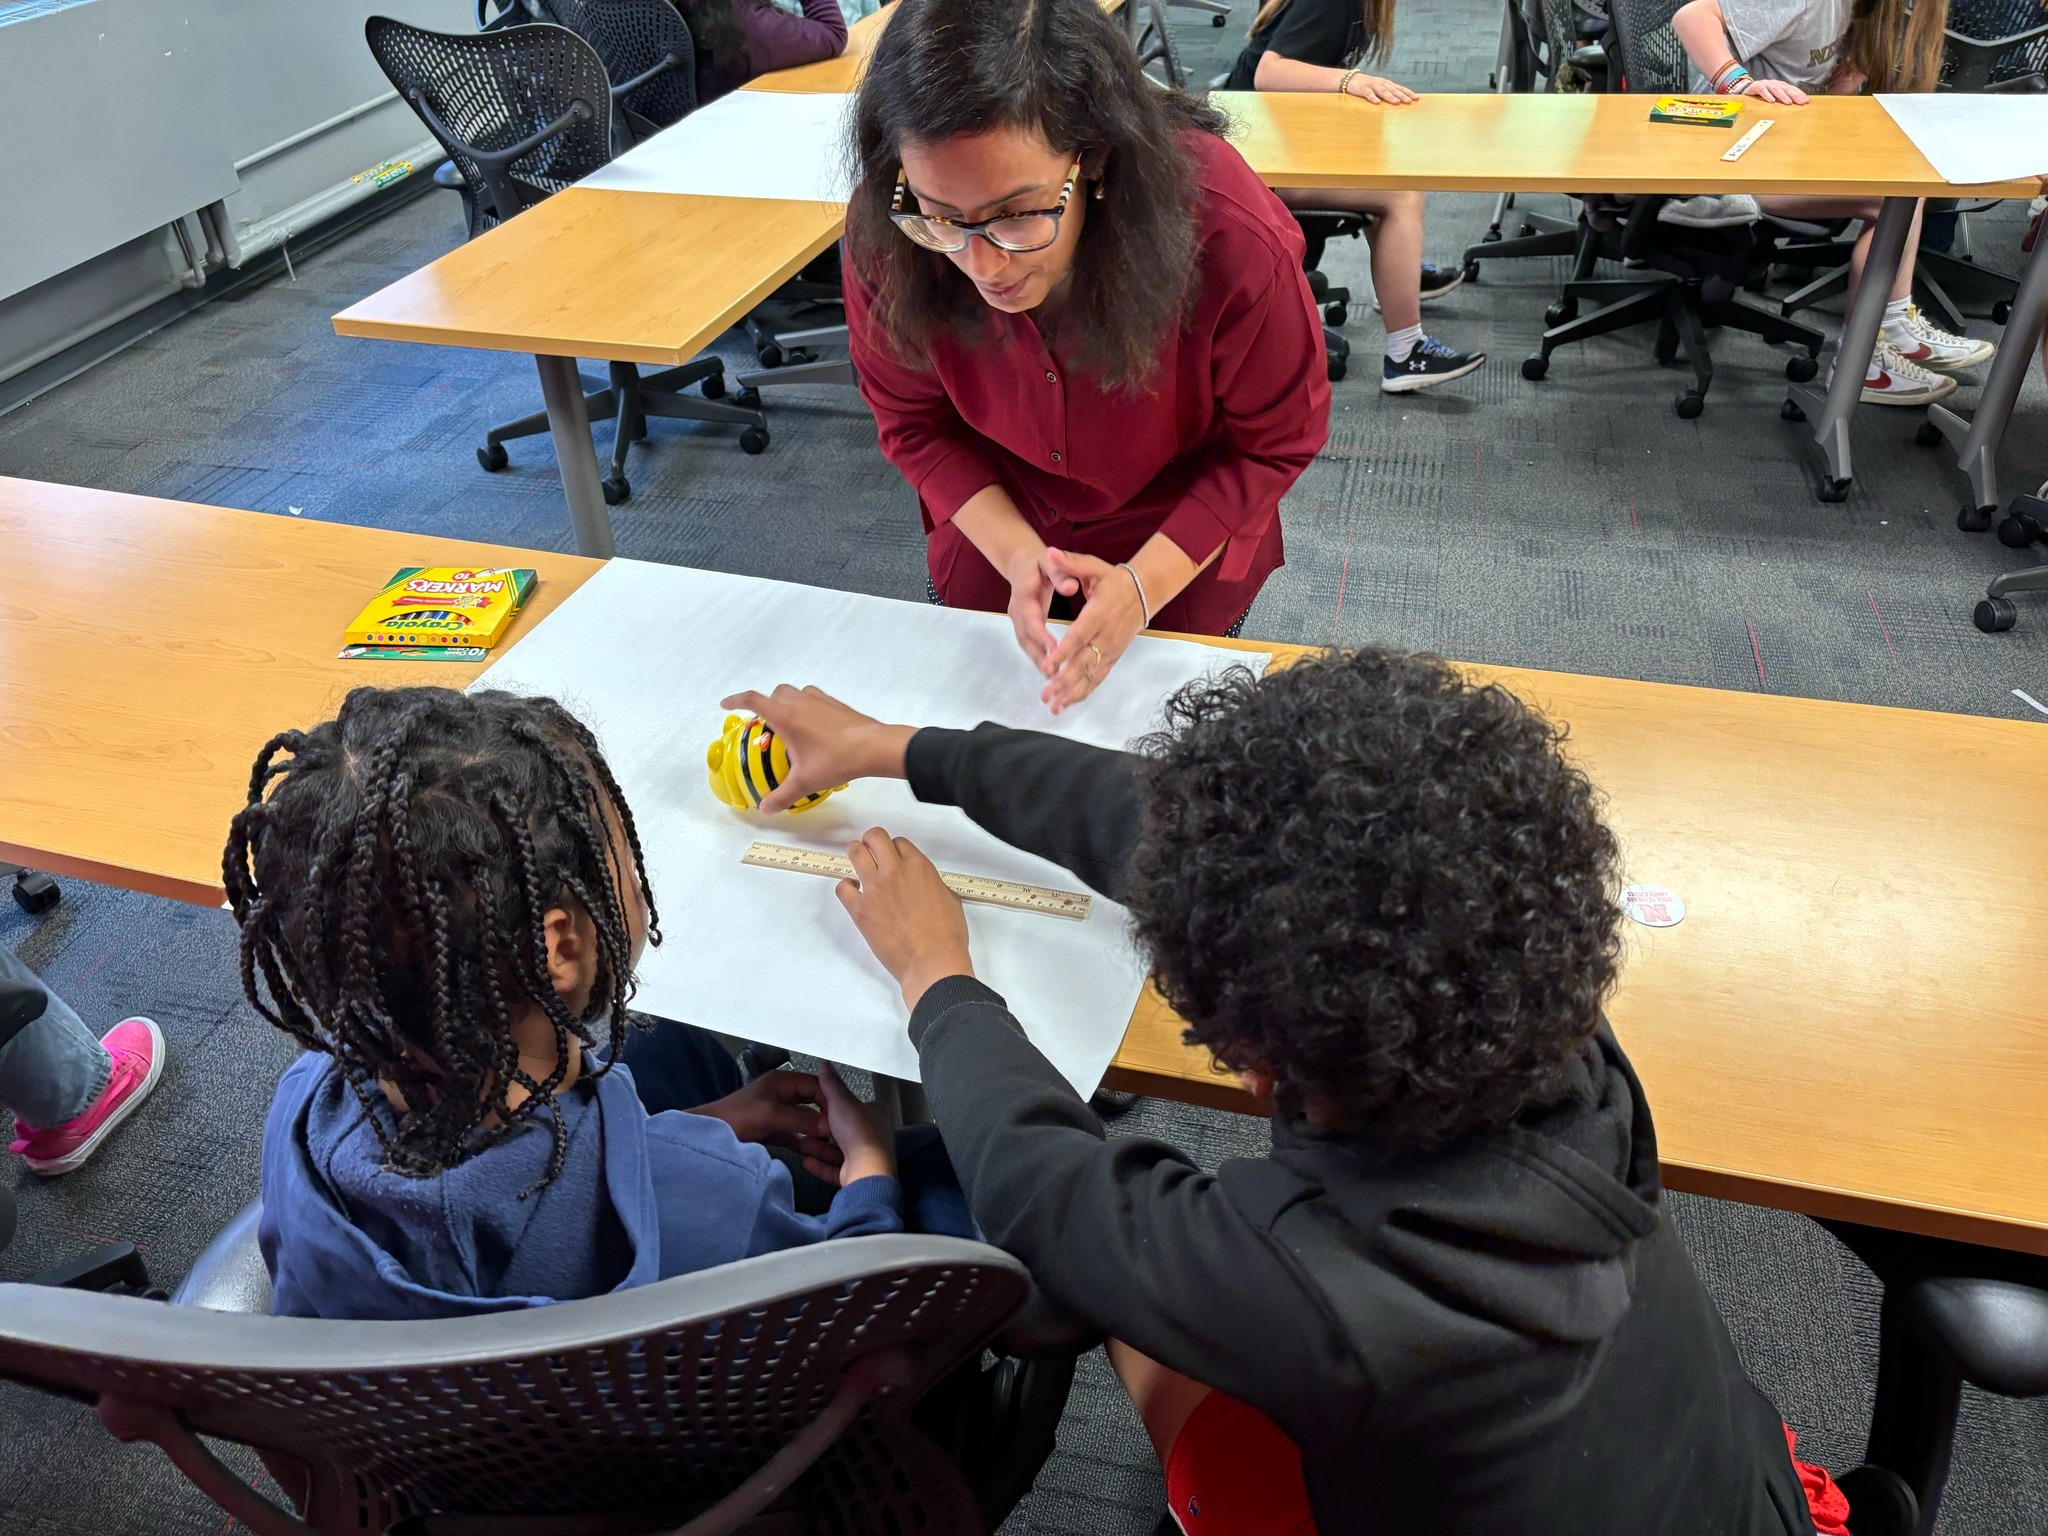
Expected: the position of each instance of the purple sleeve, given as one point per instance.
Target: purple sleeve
(778, 40)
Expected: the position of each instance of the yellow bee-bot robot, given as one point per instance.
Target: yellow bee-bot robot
(747, 762)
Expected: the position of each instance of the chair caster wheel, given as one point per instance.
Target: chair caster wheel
(1335, 314)
(1832, 490)
(713, 388)
(1790, 411)
(754, 440)
(1337, 369)
(492, 456)
(2018, 532)
(1533, 368)
(769, 354)
(1689, 405)
(616, 490)
(749, 398)
(1975, 519)
(1800, 369)
(37, 893)
(1892, 1508)
(1561, 312)
(1995, 615)
(1927, 435)
(1471, 271)
(2001, 312)
(1217, 21)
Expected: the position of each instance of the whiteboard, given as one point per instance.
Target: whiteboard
(776, 144)
(643, 653)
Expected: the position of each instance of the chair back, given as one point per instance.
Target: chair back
(1996, 45)
(1653, 61)
(1563, 41)
(786, 1379)
(634, 37)
(522, 111)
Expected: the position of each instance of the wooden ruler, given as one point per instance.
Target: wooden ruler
(994, 893)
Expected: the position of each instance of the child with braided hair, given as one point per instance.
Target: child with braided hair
(443, 898)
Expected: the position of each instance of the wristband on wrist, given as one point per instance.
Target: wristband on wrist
(1144, 602)
(1344, 82)
(1731, 79)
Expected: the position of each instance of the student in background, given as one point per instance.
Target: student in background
(442, 897)
(67, 1091)
(1451, 1300)
(1778, 51)
(738, 40)
(1317, 45)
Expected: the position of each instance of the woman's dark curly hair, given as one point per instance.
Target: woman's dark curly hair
(1383, 883)
(1064, 68)
(391, 875)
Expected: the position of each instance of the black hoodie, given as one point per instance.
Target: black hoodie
(1504, 1336)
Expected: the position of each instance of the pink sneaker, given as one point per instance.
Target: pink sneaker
(137, 1049)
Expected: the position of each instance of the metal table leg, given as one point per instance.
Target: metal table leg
(1859, 343)
(1975, 437)
(562, 388)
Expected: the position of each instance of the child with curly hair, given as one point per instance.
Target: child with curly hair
(1451, 1300)
(442, 898)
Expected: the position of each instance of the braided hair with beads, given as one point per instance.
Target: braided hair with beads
(392, 872)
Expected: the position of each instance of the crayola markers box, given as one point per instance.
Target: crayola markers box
(442, 606)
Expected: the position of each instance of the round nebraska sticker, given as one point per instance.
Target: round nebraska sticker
(1653, 906)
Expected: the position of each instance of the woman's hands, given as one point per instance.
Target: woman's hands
(829, 743)
(1385, 93)
(1110, 620)
(866, 1143)
(911, 921)
(1032, 585)
(783, 1109)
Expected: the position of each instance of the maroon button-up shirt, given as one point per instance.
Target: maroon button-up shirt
(1240, 405)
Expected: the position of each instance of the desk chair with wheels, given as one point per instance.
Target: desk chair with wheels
(523, 111)
(1953, 1314)
(1563, 44)
(1688, 277)
(647, 53)
(832, 1388)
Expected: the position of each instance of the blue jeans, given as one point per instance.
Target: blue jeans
(53, 1067)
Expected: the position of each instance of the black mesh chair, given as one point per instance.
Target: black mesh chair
(1561, 44)
(1996, 45)
(524, 111)
(1953, 1314)
(648, 55)
(1688, 278)
(821, 1391)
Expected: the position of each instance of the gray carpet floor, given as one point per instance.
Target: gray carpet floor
(1576, 524)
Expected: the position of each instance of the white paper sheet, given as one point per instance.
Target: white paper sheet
(643, 653)
(777, 144)
(1973, 139)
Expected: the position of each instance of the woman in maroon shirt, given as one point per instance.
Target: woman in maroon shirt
(1082, 325)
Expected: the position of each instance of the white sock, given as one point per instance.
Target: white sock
(1400, 343)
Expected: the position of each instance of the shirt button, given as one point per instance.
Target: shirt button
(1056, 456)
(1051, 377)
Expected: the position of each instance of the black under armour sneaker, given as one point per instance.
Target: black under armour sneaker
(1436, 282)
(1428, 362)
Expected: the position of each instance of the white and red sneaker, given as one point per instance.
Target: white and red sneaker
(136, 1047)
(1892, 380)
(1919, 340)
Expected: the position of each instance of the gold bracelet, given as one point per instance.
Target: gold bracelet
(1344, 83)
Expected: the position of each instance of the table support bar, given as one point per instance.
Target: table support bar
(1976, 437)
(569, 421)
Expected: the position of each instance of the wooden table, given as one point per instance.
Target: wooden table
(1849, 1022)
(148, 648)
(1834, 146)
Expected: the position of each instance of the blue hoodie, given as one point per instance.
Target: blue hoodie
(639, 1198)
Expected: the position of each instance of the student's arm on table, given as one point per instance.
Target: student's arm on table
(1319, 30)
(1277, 72)
(1074, 804)
(1710, 43)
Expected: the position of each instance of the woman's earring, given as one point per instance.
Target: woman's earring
(1097, 194)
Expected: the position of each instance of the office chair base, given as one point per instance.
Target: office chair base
(34, 893)
(1880, 1502)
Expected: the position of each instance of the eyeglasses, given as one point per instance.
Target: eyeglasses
(1015, 232)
